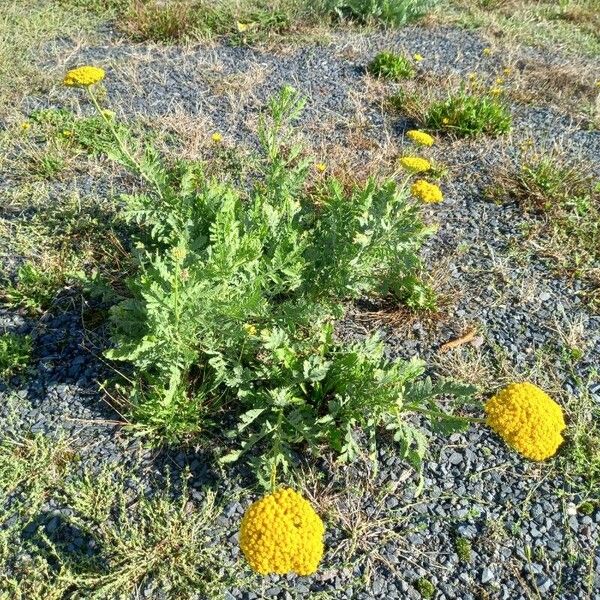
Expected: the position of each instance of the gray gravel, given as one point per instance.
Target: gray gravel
(528, 540)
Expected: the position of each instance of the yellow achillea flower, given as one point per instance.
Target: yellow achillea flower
(250, 329)
(426, 192)
(216, 137)
(486, 51)
(496, 91)
(84, 76)
(527, 419)
(420, 137)
(242, 27)
(281, 533)
(415, 164)
(321, 167)
(25, 125)
(417, 57)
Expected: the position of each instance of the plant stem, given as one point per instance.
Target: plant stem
(133, 162)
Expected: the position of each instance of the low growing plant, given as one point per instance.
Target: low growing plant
(15, 351)
(468, 114)
(236, 295)
(393, 12)
(391, 66)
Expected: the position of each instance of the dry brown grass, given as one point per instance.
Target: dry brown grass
(567, 86)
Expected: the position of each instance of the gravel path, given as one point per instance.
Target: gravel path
(528, 539)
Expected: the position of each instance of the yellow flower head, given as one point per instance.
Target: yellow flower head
(25, 125)
(445, 120)
(321, 167)
(507, 70)
(216, 137)
(415, 164)
(496, 91)
(473, 76)
(84, 76)
(281, 533)
(420, 137)
(486, 51)
(499, 80)
(426, 192)
(527, 419)
(417, 57)
(242, 27)
(250, 329)
(67, 133)
(108, 114)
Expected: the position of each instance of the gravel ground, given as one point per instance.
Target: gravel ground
(528, 540)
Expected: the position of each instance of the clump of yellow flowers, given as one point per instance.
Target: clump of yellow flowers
(281, 533)
(420, 137)
(527, 419)
(415, 164)
(84, 76)
(426, 192)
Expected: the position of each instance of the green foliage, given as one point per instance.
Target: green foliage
(463, 549)
(393, 12)
(425, 588)
(237, 291)
(60, 125)
(189, 19)
(564, 195)
(169, 22)
(15, 351)
(391, 66)
(164, 541)
(467, 114)
(34, 290)
(586, 508)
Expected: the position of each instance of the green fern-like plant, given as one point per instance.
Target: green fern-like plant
(237, 291)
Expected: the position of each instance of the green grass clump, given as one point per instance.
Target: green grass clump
(563, 195)
(391, 66)
(165, 541)
(466, 115)
(15, 352)
(34, 289)
(425, 588)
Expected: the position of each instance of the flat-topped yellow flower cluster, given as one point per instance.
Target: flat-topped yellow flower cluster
(426, 192)
(527, 419)
(84, 76)
(281, 533)
(421, 138)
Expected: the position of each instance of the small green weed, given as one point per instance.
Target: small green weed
(466, 114)
(35, 288)
(463, 549)
(391, 66)
(48, 162)
(586, 508)
(15, 352)
(425, 588)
